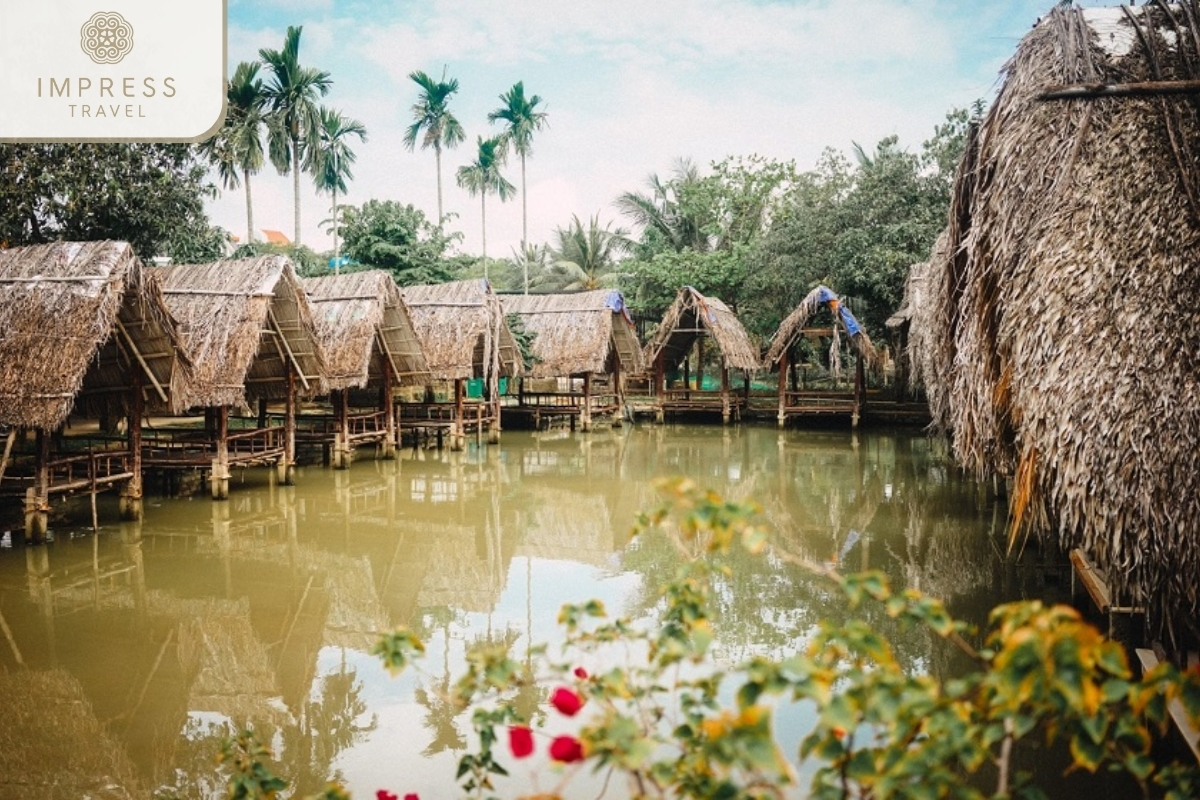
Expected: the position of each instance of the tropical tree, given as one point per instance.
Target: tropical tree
(431, 115)
(236, 151)
(583, 258)
(482, 177)
(387, 235)
(292, 98)
(667, 219)
(330, 159)
(521, 119)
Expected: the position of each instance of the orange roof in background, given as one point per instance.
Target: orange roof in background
(276, 237)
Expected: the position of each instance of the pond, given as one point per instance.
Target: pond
(129, 653)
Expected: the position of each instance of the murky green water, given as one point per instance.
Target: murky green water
(128, 654)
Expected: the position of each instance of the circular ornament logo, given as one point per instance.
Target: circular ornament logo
(106, 38)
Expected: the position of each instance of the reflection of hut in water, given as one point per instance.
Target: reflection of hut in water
(463, 335)
(80, 329)
(562, 525)
(1062, 313)
(369, 342)
(688, 324)
(584, 344)
(52, 745)
(247, 327)
(783, 354)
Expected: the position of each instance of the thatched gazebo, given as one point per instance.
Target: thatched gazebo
(1062, 326)
(369, 342)
(80, 330)
(247, 326)
(463, 335)
(690, 322)
(587, 337)
(794, 401)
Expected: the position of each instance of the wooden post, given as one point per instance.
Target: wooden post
(288, 472)
(493, 402)
(37, 497)
(618, 388)
(687, 373)
(262, 412)
(389, 409)
(585, 414)
(784, 369)
(219, 479)
(458, 432)
(130, 503)
(659, 389)
(725, 394)
(341, 439)
(699, 363)
(860, 391)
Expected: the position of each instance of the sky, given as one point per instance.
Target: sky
(629, 86)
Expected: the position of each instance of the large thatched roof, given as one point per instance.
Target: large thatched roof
(361, 319)
(693, 314)
(241, 322)
(577, 333)
(462, 331)
(792, 328)
(1063, 327)
(78, 316)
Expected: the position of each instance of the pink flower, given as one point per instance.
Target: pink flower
(566, 749)
(581, 673)
(520, 741)
(384, 794)
(567, 701)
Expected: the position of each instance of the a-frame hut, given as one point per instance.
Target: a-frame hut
(1062, 325)
(369, 342)
(247, 327)
(583, 345)
(463, 334)
(80, 329)
(688, 325)
(801, 402)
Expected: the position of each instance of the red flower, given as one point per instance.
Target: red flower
(384, 794)
(581, 673)
(566, 749)
(411, 796)
(566, 701)
(520, 741)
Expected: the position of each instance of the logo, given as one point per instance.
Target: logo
(106, 38)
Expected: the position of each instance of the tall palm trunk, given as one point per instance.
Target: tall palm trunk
(524, 225)
(336, 263)
(249, 209)
(437, 154)
(296, 185)
(483, 214)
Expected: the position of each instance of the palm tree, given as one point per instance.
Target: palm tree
(246, 116)
(522, 120)
(292, 98)
(664, 210)
(584, 257)
(482, 177)
(330, 159)
(430, 114)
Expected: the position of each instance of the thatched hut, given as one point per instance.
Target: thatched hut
(1062, 321)
(587, 337)
(247, 326)
(782, 355)
(368, 339)
(690, 322)
(81, 329)
(463, 335)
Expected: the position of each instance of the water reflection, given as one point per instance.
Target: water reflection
(261, 610)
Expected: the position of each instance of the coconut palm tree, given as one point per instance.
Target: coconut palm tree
(583, 258)
(292, 98)
(521, 119)
(329, 160)
(482, 177)
(431, 115)
(663, 211)
(247, 110)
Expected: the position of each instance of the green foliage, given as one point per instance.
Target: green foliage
(384, 234)
(309, 264)
(524, 339)
(251, 778)
(149, 195)
(582, 258)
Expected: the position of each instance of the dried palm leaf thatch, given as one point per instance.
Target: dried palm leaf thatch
(1063, 318)
(692, 314)
(578, 333)
(462, 330)
(78, 324)
(360, 320)
(792, 327)
(242, 321)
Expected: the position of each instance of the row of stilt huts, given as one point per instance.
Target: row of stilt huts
(110, 369)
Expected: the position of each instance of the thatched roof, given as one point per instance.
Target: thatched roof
(577, 333)
(361, 319)
(241, 322)
(462, 331)
(792, 327)
(1063, 327)
(692, 314)
(79, 317)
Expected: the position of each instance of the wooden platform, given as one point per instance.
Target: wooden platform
(190, 448)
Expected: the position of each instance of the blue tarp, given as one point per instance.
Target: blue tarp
(851, 324)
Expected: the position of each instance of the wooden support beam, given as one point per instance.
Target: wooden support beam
(1095, 91)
